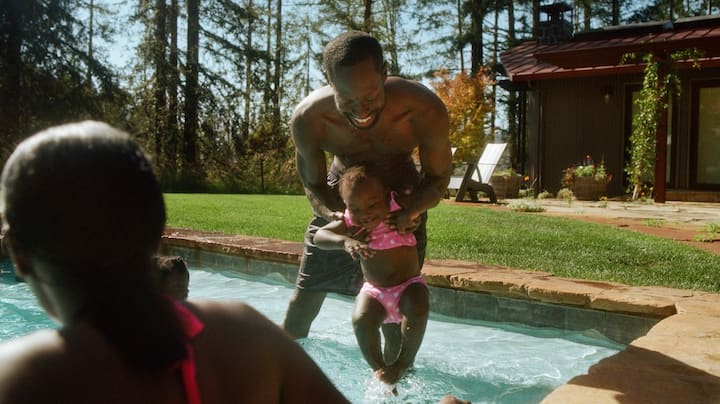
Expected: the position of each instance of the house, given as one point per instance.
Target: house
(576, 99)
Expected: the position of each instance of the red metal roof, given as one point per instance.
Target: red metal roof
(599, 52)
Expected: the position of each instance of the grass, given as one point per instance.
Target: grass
(563, 247)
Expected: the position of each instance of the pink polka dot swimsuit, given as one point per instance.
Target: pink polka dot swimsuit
(381, 237)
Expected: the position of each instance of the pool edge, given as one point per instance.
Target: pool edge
(678, 360)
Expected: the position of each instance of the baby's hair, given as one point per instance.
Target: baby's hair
(356, 175)
(168, 264)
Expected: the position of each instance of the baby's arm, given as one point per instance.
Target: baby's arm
(334, 236)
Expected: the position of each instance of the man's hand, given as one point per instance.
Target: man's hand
(403, 220)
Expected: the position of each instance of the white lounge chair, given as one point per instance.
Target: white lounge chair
(477, 174)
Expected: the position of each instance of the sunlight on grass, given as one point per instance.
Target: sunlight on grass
(563, 247)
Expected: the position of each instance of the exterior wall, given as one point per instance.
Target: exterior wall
(570, 118)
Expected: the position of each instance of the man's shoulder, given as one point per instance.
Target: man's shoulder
(411, 93)
(315, 103)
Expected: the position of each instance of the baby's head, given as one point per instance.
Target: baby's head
(365, 196)
(171, 276)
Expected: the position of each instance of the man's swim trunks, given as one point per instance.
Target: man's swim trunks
(390, 296)
(335, 270)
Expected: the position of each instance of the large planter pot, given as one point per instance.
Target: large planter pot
(506, 186)
(589, 189)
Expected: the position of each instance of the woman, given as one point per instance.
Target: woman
(82, 217)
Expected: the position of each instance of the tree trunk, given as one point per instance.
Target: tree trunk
(12, 92)
(493, 111)
(391, 14)
(191, 87)
(615, 12)
(587, 16)
(367, 16)
(476, 40)
(159, 47)
(91, 33)
(460, 35)
(171, 145)
(277, 73)
(248, 73)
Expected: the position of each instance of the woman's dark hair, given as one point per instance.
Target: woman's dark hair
(349, 49)
(84, 198)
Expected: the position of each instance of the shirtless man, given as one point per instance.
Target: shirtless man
(363, 117)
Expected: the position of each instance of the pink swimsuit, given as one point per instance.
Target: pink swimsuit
(389, 297)
(382, 238)
(192, 327)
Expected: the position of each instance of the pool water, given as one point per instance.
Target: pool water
(478, 361)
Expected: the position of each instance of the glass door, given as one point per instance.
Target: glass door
(705, 163)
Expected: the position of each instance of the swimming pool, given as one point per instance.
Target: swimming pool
(479, 361)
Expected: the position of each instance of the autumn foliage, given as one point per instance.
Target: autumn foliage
(467, 101)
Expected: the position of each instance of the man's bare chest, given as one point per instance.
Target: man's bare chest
(371, 143)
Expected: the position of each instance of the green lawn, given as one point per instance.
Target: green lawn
(563, 247)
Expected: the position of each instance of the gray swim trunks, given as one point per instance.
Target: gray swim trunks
(335, 270)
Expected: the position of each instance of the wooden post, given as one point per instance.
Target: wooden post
(661, 136)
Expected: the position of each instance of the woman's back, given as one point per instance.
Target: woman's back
(82, 216)
(240, 356)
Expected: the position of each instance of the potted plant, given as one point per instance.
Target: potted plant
(506, 183)
(588, 181)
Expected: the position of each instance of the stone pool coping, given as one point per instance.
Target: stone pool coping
(677, 361)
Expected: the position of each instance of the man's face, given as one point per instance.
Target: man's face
(359, 93)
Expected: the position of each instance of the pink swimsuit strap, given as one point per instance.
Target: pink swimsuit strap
(192, 326)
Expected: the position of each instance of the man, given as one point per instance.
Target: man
(363, 117)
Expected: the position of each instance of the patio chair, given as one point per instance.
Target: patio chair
(477, 175)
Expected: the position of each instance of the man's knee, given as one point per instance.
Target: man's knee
(304, 306)
(415, 302)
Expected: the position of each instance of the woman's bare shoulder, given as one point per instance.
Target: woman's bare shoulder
(233, 317)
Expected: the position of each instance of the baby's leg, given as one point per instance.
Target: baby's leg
(415, 308)
(367, 318)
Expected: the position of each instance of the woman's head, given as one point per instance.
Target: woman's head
(81, 196)
(364, 195)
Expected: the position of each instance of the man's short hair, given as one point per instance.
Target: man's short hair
(349, 49)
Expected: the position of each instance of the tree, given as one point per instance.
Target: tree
(49, 72)
(467, 103)
(173, 84)
(159, 49)
(190, 133)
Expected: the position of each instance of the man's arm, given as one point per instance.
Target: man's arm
(312, 167)
(431, 126)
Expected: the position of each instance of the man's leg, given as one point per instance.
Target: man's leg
(393, 341)
(304, 306)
